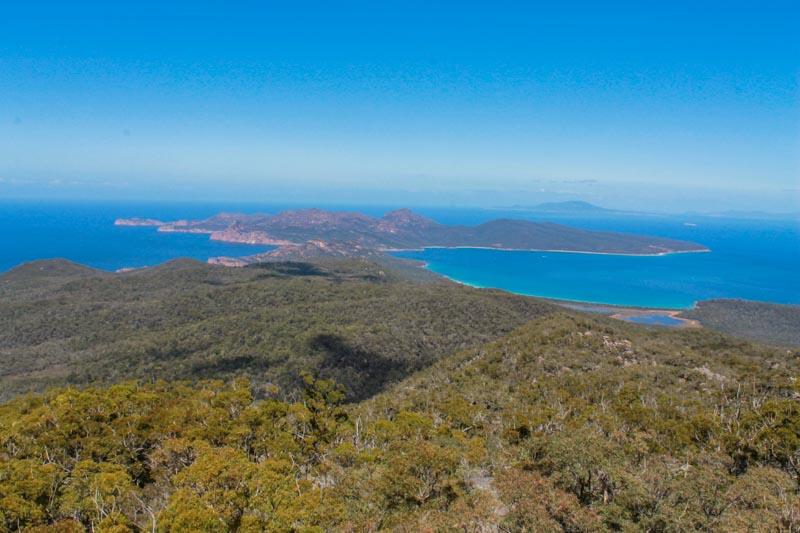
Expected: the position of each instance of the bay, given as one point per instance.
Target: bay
(749, 259)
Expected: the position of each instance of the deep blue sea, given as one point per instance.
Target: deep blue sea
(750, 259)
(85, 233)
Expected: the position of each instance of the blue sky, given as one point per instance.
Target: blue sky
(662, 106)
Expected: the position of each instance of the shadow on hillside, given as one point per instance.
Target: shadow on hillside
(362, 373)
(223, 366)
(288, 268)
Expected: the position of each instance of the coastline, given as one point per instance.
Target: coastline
(660, 254)
(220, 236)
(581, 305)
(626, 316)
(238, 233)
(622, 313)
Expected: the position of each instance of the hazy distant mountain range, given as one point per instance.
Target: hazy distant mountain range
(572, 207)
(311, 233)
(565, 207)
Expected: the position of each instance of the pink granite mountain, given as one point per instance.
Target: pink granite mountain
(308, 233)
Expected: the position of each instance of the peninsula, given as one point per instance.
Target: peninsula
(312, 233)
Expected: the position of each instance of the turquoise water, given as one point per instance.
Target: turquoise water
(751, 259)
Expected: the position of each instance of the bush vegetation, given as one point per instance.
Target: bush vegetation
(354, 321)
(569, 422)
(760, 321)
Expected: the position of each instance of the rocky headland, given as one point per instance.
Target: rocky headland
(315, 233)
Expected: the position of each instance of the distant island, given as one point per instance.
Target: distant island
(572, 206)
(316, 233)
(576, 208)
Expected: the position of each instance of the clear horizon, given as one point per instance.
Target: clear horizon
(655, 108)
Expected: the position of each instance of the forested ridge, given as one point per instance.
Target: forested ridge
(355, 321)
(761, 321)
(565, 422)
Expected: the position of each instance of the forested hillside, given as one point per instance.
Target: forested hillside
(355, 321)
(567, 424)
(762, 321)
(348, 397)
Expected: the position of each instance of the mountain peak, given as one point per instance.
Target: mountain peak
(406, 217)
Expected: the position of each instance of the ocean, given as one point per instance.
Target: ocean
(85, 233)
(749, 259)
